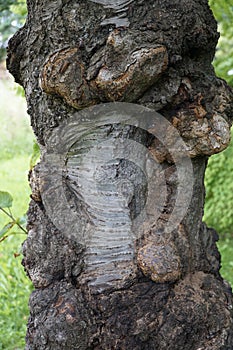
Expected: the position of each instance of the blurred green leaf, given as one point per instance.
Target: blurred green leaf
(6, 228)
(6, 200)
(22, 221)
(35, 155)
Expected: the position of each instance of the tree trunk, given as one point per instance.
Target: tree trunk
(116, 247)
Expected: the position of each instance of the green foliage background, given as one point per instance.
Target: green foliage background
(12, 16)
(15, 152)
(219, 174)
(219, 192)
(223, 12)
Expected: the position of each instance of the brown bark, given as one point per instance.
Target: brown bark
(165, 292)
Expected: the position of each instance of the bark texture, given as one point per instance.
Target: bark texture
(73, 54)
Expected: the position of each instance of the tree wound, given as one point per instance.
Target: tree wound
(63, 75)
(124, 79)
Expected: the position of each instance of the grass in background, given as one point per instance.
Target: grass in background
(16, 147)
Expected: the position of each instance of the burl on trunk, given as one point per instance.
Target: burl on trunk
(126, 109)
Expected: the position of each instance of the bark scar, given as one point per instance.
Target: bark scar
(142, 70)
(120, 74)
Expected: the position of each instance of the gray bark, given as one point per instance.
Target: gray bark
(170, 295)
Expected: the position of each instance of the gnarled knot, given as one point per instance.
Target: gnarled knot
(119, 77)
(159, 262)
(203, 136)
(63, 75)
(141, 71)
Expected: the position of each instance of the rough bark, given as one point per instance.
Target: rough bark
(75, 54)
